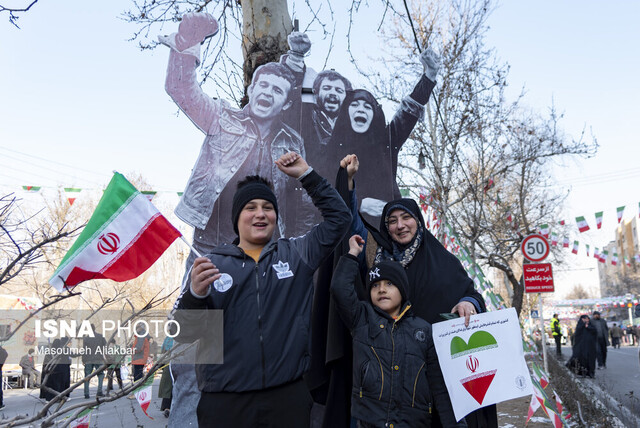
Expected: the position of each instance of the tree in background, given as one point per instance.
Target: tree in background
(578, 291)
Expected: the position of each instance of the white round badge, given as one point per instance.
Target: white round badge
(223, 283)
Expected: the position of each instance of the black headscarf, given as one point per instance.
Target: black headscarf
(391, 250)
(437, 280)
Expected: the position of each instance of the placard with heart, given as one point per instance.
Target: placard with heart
(483, 363)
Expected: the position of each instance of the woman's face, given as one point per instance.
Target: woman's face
(361, 115)
(402, 226)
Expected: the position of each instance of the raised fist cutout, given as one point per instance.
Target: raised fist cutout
(195, 28)
(431, 63)
(299, 43)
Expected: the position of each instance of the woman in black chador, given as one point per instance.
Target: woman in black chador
(56, 370)
(583, 359)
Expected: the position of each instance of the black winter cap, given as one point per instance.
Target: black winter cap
(248, 192)
(391, 271)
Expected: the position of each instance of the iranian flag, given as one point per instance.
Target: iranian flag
(566, 415)
(596, 253)
(149, 194)
(540, 375)
(143, 395)
(72, 194)
(619, 212)
(587, 246)
(582, 224)
(554, 238)
(544, 230)
(599, 219)
(83, 420)
(627, 261)
(576, 244)
(533, 406)
(124, 237)
(565, 242)
(603, 256)
(31, 188)
(561, 222)
(614, 259)
(547, 405)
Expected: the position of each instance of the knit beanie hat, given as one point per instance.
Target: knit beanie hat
(248, 192)
(391, 271)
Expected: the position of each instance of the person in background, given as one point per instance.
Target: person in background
(3, 358)
(28, 364)
(93, 359)
(140, 353)
(153, 347)
(56, 369)
(616, 335)
(557, 334)
(166, 383)
(602, 339)
(583, 357)
(114, 358)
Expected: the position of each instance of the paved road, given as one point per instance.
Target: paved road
(123, 412)
(621, 378)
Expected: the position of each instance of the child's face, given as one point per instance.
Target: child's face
(386, 296)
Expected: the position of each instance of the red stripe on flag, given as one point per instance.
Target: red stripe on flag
(142, 252)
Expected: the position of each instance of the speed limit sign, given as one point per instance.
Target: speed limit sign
(535, 248)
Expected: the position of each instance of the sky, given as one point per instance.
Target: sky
(79, 100)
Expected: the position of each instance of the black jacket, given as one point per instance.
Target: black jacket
(267, 309)
(395, 366)
(91, 344)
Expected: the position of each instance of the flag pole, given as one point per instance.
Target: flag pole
(196, 252)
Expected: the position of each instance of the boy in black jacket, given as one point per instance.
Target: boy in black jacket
(265, 288)
(395, 367)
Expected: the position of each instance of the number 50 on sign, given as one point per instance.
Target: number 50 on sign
(535, 248)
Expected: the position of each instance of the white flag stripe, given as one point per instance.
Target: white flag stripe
(126, 226)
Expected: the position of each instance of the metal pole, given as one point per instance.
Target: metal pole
(544, 335)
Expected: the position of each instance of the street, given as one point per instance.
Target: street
(621, 378)
(123, 412)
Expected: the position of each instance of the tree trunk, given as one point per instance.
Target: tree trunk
(265, 27)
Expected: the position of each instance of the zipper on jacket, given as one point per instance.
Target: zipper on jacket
(264, 370)
(381, 373)
(393, 358)
(415, 384)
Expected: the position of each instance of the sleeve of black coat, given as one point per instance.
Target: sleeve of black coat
(470, 291)
(344, 293)
(321, 240)
(191, 315)
(438, 388)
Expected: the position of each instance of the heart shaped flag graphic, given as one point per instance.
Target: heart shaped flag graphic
(479, 341)
(478, 383)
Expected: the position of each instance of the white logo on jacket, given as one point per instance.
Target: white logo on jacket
(282, 270)
(223, 283)
(375, 273)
